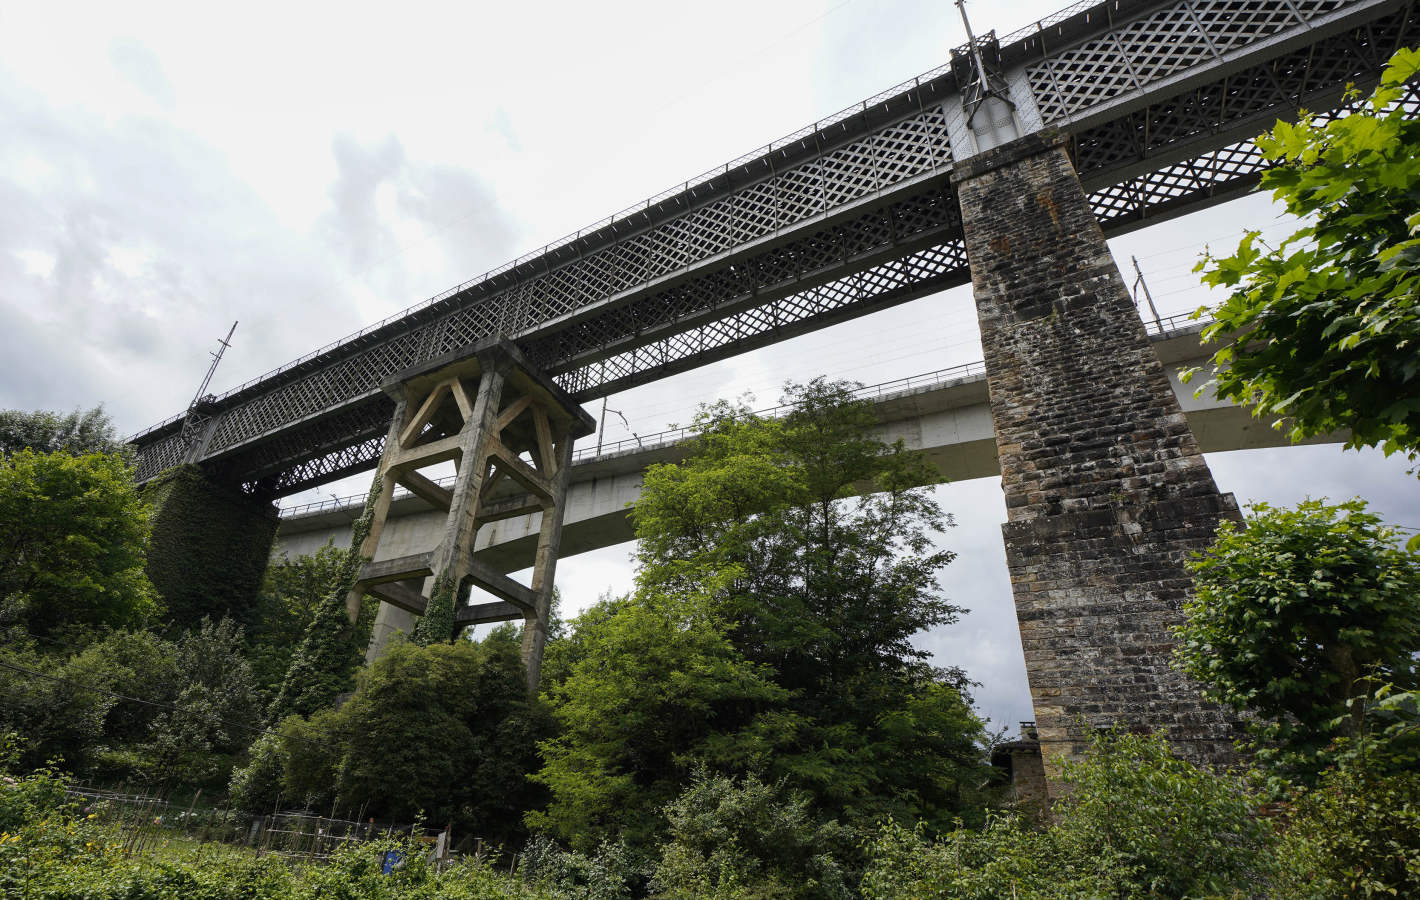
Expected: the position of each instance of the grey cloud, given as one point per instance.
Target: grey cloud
(354, 219)
(454, 205)
(156, 245)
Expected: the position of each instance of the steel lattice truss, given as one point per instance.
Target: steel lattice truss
(850, 216)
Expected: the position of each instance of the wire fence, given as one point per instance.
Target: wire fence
(145, 821)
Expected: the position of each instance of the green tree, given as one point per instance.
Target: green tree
(1294, 615)
(445, 731)
(770, 632)
(1324, 330)
(48, 432)
(332, 648)
(657, 687)
(817, 539)
(215, 711)
(292, 591)
(135, 705)
(72, 543)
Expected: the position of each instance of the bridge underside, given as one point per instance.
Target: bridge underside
(946, 418)
(855, 216)
(1091, 126)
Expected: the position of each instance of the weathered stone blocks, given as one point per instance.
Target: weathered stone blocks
(1106, 490)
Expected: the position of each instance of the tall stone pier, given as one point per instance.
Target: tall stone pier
(1106, 490)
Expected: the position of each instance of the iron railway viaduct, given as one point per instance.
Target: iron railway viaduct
(1007, 167)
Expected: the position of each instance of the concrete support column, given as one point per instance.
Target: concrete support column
(509, 432)
(549, 545)
(371, 544)
(1107, 492)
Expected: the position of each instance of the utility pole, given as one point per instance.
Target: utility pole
(216, 358)
(601, 426)
(196, 422)
(1140, 282)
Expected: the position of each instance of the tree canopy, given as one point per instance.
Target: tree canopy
(784, 568)
(73, 535)
(1296, 615)
(47, 432)
(445, 731)
(1323, 331)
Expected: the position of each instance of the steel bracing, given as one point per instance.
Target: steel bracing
(850, 215)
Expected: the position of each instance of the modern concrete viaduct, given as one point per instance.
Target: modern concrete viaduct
(945, 415)
(1009, 166)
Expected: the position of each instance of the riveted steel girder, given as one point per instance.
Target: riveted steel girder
(845, 217)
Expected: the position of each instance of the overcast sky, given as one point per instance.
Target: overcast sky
(310, 168)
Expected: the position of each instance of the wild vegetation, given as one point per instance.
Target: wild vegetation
(1323, 330)
(753, 719)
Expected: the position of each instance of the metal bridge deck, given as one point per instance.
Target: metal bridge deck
(849, 215)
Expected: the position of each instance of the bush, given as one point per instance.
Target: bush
(611, 873)
(75, 543)
(445, 731)
(742, 838)
(1294, 614)
(1136, 822)
(1356, 835)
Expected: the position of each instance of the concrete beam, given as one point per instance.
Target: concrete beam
(400, 595)
(399, 568)
(486, 613)
(948, 422)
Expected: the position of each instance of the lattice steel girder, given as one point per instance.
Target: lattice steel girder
(1239, 105)
(707, 269)
(1176, 48)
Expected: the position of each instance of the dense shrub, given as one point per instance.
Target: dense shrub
(743, 838)
(1357, 834)
(136, 705)
(1295, 612)
(1137, 822)
(445, 731)
(75, 543)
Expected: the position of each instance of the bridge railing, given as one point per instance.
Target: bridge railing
(1175, 322)
(675, 435)
(927, 380)
(675, 190)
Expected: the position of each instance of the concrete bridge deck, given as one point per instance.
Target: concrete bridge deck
(945, 415)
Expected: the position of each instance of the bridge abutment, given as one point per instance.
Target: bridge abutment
(509, 431)
(1107, 492)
